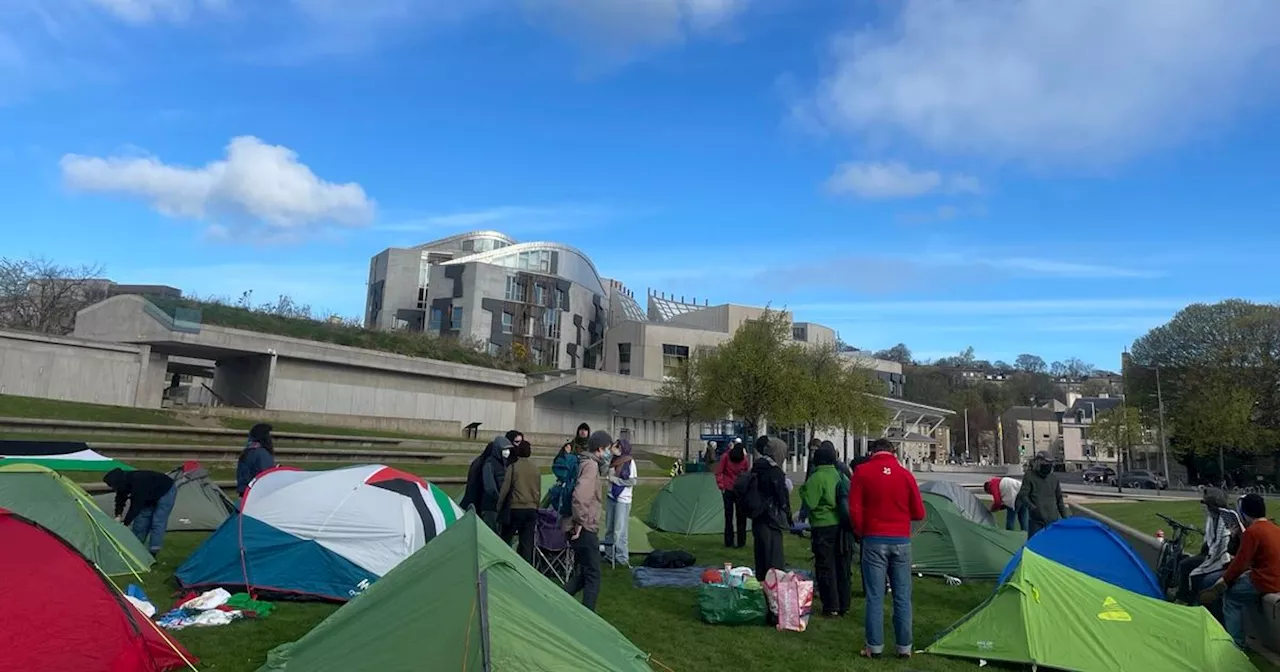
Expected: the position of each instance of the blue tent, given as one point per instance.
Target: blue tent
(1092, 548)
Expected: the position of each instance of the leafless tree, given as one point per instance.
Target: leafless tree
(39, 295)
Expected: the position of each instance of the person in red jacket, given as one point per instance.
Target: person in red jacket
(733, 463)
(884, 500)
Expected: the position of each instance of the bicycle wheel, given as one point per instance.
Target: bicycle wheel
(1167, 570)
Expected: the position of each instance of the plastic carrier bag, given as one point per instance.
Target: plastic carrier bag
(723, 605)
(790, 599)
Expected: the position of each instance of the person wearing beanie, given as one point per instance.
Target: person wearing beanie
(821, 495)
(1041, 494)
(581, 437)
(150, 496)
(583, 525)
(1252, 573)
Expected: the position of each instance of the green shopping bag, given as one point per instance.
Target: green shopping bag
(720, 604)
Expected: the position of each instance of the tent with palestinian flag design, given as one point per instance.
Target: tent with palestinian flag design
(466, 602)
(320, 534)
(66, 615)
(57, 455)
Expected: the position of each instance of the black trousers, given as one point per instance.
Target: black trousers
(768, 547)
(586, 569)
(832, 565)
(490, 518)
(732, 513)
(522, 524)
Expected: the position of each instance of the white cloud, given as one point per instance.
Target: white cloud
(617, 30)
(896, 180)
(1079, 82)
(256, 183)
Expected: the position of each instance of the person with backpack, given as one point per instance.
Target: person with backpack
(732, 464)
(884, 500)
(582, 524)
(767, 502)
(821, 496)
(259, 455)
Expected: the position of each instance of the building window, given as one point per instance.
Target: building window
(507, 320)
(799, 334)
(437, 317)
(672, 357)
(494, 349)
(455, 318)
(539, 295)
(536, 355)
(624, 359)
(553, 323)
(515, 289)
(560, 299)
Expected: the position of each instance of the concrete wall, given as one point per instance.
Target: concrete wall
(647, 339)
(323, 388)
(243, 381)
(398, 268)
(72, 369)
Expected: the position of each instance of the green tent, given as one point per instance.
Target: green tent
(199, 506)
(464, 602)
(688, 504)
(948, 543)
(1052, 616)
(638, 537)
(44, 496)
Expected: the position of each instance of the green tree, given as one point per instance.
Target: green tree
(855, 404)
(683, 396)
(899, 353)
(1118, 429)
(1029, 363)
(752, 374)
(1094, 387)
(817, 373)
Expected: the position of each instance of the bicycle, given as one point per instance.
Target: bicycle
(1167, 565)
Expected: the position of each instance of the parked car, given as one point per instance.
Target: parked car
(1099, 474)
(1142, 478)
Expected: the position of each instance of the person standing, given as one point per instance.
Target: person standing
(492, 473)
(520, 496)
(884, 500)
(259, 455)
(583, 525)
(1004, 495)
(622, 479)
(732, 465)
(1253, 572)
(1041, 493)
(150, 496)
(773, 517)
(821, 496)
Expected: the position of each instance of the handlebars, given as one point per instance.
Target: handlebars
(1175, 524)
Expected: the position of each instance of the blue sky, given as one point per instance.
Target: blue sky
(1015, 175)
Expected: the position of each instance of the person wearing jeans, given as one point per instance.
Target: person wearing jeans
(884, 500)
(733, 463)
(622, 479)
(150, 496)
(1253, 572)
(583, 524)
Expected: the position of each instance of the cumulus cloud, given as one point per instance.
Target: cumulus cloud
(616, 30)
(1084, 82)
(896, 180)
(257, 183)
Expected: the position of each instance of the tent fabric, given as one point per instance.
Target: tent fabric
(1053, 616)
(1092, 548)
(966, 502)
(465, 602)
(200, 505)
(58, 455)
(948, 543)
(638, 537)
(62, 507)
(322, 534)
(65, 616)
(688, 504)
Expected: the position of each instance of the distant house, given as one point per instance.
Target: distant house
(1078, 450)
(1030, 430)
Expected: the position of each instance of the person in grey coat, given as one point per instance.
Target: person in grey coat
(1041, 493)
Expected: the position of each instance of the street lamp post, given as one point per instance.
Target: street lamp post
(1033, 428)
(1164, 443)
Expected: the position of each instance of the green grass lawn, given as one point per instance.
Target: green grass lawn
(663, 622)
(12, 406)
(1142, 517)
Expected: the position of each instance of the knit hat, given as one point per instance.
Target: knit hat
(599, 439)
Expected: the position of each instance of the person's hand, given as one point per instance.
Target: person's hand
(119, 519)
(575, 533)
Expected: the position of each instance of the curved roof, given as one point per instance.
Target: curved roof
(447, 242)
(578, 267)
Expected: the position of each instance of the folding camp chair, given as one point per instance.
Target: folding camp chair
(552, 554)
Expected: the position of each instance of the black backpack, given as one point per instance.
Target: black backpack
(747, 490)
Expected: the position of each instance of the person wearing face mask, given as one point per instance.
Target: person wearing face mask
(622, 477)
(583, 524)
(492, 473)
(520, 496)
(1041, 493)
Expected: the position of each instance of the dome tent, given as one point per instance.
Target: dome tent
(1090, 547)
(69, 616)
(321, 534)
(465, 602)
(688, 504)
(948, 543)
(966, 502)
(62, 507)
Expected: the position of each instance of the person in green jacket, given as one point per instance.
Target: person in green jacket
(1041, 493)
(831, 550)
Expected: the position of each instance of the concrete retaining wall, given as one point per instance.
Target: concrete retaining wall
(372, 423)
(72, 369)
(1146, 546)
